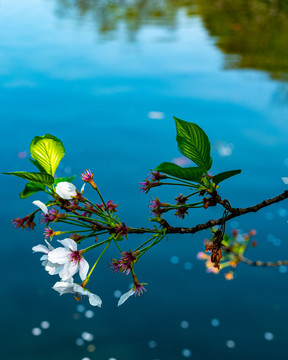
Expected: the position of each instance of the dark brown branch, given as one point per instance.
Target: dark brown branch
(262, 263)
(235, 212)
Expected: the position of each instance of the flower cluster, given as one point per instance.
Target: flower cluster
(26, 223)
(126, 262)
(109, 206)
(153, 181)
(66, 261)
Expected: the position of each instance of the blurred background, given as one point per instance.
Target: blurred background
(106, 77)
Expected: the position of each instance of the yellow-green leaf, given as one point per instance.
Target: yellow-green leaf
(48, 151)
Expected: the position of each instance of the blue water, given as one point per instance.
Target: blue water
(95, 90)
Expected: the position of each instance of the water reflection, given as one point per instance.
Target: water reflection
(253, 34)
(109, 14)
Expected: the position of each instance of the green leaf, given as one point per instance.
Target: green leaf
(48, 151)
(65, 178)
(41, 178)
(190, 173)
(225, 175)
(39, 167)
(193, 143)
(31, 188)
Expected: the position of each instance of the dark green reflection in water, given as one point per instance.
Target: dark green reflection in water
(253, 33)
(109, 13)
(255, 30)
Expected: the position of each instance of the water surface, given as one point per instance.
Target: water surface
(91, 73)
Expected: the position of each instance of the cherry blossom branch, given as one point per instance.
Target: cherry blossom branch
(235, 212)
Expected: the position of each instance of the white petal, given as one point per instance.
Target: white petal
(41, 205)
(64, 287)
(50, 247)
(94, 300)
(69, 243)
(40, 248)
(44, 263)
(59, 256)
(285, 180)
(44, 257)
(82, 188)
(68, 270)
(125, 296)
(65, 190)
(53, 269)
(83, 269)
(80, 290)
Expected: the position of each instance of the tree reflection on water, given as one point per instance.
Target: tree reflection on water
(253, 34)
(255, 30)
(108, 14)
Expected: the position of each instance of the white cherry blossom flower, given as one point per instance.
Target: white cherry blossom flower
(52, 268)
(41, 205)
(70, 258)
(66, 190)
(65, 287)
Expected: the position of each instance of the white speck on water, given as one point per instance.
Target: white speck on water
(215, 322)
(117, 293)
(282, 212)
(36, 331)
(188, 265)
(174, 260)
(184, 324)
(152, 344)
(270, 237)
(87, 336)
(89, 314)
(276, 242)
(80, 308)
(268, 336)
(282, 269)
(157, 115)
(230, 344)
(79, 342)
(186, 353)
(45, 324)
